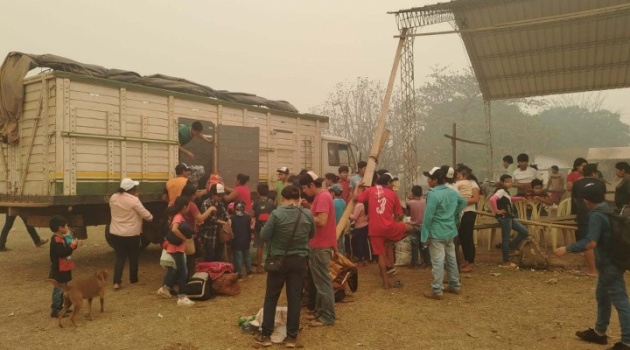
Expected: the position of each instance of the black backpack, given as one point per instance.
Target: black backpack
(620, 241)
(199, 287)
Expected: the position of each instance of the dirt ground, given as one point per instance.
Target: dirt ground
(520, 309)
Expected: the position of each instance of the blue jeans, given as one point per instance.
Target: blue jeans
(239, 256)
(321, 289)
(443, 250)
(181, 275)
(292, 273)
(507, 225)
(57, 300)
(611, 290)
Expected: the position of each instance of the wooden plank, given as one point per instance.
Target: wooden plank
(146, 98)
(95, 98)
(145, 106)
(95, 89)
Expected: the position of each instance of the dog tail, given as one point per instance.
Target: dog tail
(57, 284)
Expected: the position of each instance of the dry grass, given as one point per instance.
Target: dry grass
(514, 310)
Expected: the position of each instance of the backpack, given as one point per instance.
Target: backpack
(262, 211)
(620, 240)
(532, 255)
(200, 287)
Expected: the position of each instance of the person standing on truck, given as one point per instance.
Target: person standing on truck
(186, 132)
(8, 224)
(175, 185)
(126, 226)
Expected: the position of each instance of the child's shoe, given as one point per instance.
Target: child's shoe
(184, 301)
(164, 292)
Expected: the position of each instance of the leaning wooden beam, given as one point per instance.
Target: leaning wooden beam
(379, 135)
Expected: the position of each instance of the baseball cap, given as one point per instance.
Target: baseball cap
(431, 172)
(450, 173)
(336, 188)
(181, 167)
(593, 193)
(283, 169)
(312, 175)
(127, 184)
(217, 189)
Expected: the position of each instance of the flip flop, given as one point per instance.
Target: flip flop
(511, 266)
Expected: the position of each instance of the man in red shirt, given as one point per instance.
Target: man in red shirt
(344, 181)
(323, 245)
(384, 215)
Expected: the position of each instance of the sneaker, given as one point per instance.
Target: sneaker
(429, 294)
(262, 340)
(590, 336)
(391, 270)
(290, 343)
(619, 346)
(184, 301)
(164, 292)
(452, 290)
(41, 242)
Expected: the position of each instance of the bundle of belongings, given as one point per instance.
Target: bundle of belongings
(279, 327)
(222, 276)
(344, 276)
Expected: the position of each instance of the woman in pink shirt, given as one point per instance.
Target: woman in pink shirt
(360, 244)
(125, 227)
(241, 193)
(576, 173)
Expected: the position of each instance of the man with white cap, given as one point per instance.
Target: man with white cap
(125, 228)
(323, 245)
(439, 229)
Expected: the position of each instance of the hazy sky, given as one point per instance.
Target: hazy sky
(279, 49)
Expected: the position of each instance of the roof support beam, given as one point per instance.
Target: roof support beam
(543, 73)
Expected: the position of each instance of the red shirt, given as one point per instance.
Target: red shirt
(325, 236)
(345, 185)
(574, 176)
(244, 195)
(383, 204)
(190, 215)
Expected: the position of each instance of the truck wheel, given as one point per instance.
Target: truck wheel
(144, 241)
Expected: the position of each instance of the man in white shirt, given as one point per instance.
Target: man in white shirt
(524, 174)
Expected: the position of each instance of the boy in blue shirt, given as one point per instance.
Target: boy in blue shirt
(340, 206)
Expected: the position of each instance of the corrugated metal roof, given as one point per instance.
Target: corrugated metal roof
(608, 153)
(521, 48)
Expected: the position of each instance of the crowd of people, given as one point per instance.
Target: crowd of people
(299, 226)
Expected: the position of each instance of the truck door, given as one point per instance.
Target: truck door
(239, 153)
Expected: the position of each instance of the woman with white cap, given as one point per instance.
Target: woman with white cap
(125, 227)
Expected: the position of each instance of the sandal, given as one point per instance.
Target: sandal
(116, 287)
(511, 266)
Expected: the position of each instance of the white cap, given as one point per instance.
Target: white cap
(127, 184)
(451, 173)
(430, 172)
(283, 169)
(312, 175)
(220, 189)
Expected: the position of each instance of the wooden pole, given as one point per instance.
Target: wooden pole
(454, 144)
(380, 135)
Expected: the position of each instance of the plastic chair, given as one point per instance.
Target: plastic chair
(485, 206)
(564, 209)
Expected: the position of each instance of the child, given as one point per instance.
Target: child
(502, 207)
(555, 184)
(262, 209)
(415, 209)
(344, 181)
(360, 242)
(538, 195)
(176, 214)
(61, 248)
(330, 179)
(464, 187)
(242, 239)
(340, 206)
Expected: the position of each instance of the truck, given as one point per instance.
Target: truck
(79, 134)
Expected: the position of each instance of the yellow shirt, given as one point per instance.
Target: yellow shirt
(174, 188)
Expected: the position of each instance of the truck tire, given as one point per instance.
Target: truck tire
(144, 242)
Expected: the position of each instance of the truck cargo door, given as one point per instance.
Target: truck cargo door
(239, 153)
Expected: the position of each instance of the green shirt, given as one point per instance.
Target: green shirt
(278, 229)
(279, 187)
(442, 213)
(184, 134)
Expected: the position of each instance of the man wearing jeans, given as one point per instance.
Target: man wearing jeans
(611, 287)
(439, 228)
(323, 246)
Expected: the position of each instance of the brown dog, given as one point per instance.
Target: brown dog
(77, 290)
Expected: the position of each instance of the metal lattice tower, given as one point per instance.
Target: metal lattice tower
(409, 117)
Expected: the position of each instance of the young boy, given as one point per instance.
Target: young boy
(555, 184)
(330, 179)
(523, 175)
(242, 239)
(415, 209)
(344, 181)
(340, 207)
(61, 247)
(262, 209)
